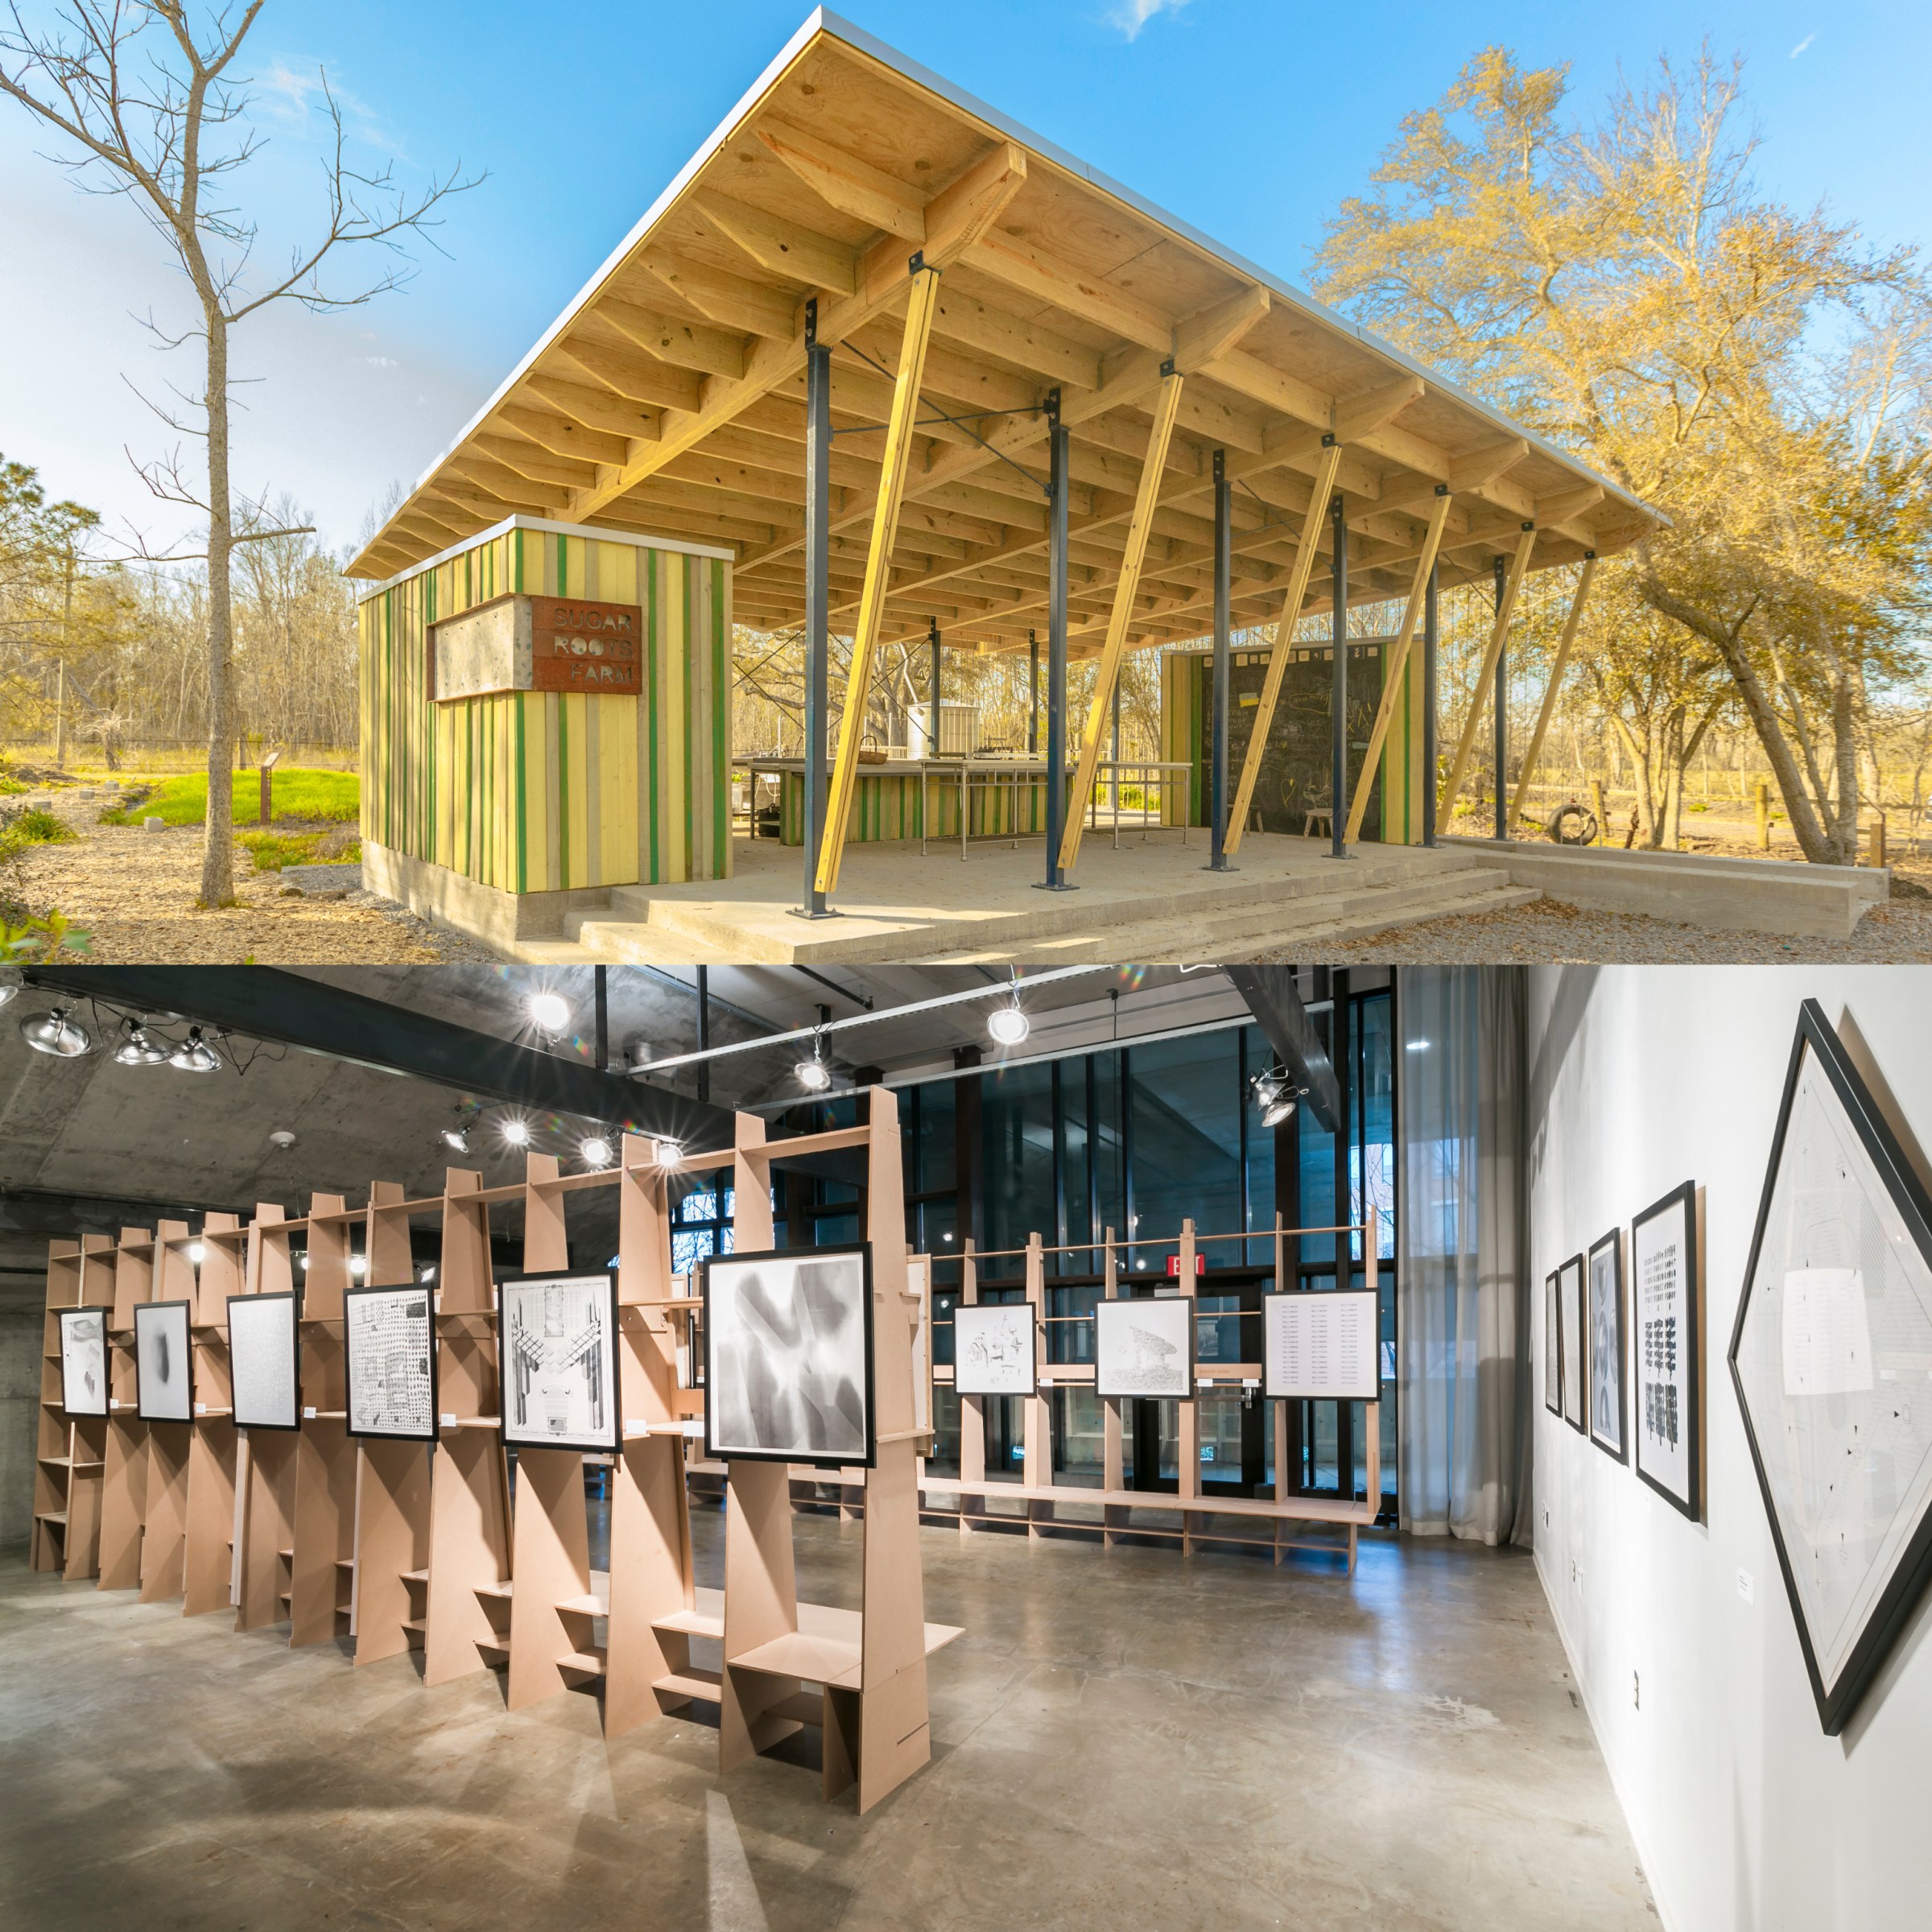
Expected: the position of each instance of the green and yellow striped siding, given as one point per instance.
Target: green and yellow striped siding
(547, 791)
(891, 805)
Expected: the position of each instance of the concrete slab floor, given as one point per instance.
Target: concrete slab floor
(1124, 1737)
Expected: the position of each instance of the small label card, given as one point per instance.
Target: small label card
(308, 1414)
(200, 1408)
(449, 1421)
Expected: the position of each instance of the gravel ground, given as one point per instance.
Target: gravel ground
(134, 892)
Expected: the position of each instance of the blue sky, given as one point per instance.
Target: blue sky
(1249, 119)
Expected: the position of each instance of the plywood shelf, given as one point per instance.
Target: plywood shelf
(415, 1576)
(586, 1663)
(692, 1681)
(584, 1606)
(818, 1660)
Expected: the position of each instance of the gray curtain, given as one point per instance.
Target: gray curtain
(1463, 1310)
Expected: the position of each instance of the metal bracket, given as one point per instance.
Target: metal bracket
(811, 321)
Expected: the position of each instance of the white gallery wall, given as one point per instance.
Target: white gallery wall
(1680, 1632)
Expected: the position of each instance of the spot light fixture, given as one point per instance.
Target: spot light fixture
(1276, 1094)
(197, 1252)
(358, 1265)
(516, 1131)
(1008, 1025)
(549, 1012)
(813, 1075)
(138, 1047)
(456, 1139)
(10, 983)
(195, 1056)
(595, 1151)
(56, 1033)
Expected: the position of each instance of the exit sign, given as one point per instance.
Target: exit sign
(1174, 1264)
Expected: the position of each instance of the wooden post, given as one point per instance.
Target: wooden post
(1760, 797)
(895, 462)
(1188, 1414)
(973, 1408)
(208, 1557)
(1599, 811)
(1458, 766)
(325, 1456)
(1558, 665)
(1877, 850)
(124, 1477)
(1398, 657)
(1119, 619)
(164, 1526)
(1322, 490)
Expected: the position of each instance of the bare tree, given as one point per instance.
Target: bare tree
(145, 97)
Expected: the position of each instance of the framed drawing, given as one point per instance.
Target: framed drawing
(389, 1359)
(1828, 1357)
(1553, 1344)
(1605, 1325)
(1321, 1345)
(1575, 1367)
(557, 1344)
(84, 1360)
(788, 1356)
(263, 1352)
(162, 1372)
(992, 1349)
(1669, 1350)
(1144, 1347)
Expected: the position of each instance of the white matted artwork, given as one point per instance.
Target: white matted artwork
(389, 1359)
(84, 1360)
(992, 1349)
(788, 1356)
(1669, 1358)
(918, 1283)
(1145, 1347)
(162, 1373)
(263, 1350)
(1321, 1345)
(559, 1343)
(1576, 1367)
(1830, 1358)
(1553, 1344)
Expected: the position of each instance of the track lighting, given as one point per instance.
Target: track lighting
(549, 1012)
(517, 1132)
(813, 1075)
(305, 1264)
(456, 1139)
(426, 1274)
(1276, 1094)
(595, 1151)
(56, 1034)
(195, 1253)
(358, 1265)
(138, 1047)
(669, 1153)
(1008, 1025)
(195, 1056)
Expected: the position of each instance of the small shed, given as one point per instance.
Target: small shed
(546, 713)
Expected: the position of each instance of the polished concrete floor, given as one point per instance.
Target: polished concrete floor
(1123, 1738)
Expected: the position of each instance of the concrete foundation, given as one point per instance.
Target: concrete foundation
(1693, 888)
(498, 919)
(1122, 1737)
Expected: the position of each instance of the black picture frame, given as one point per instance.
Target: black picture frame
(294, 1298)
(1574, 1297)
(1912, 1572)
(152, 1311)
(1032, 1354)
(1193, 1333)
(612, 1443)
(1368, 1303)
(1553, 1341)
(789, 1257)
(107, 1369)
(1610, 1245)
(1681, 1199)
(354, 1298)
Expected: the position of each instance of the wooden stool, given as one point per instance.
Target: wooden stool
(1325, 814)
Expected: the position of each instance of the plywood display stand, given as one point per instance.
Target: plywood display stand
(1124, 1513)
(70, 1452)
(208, 1555)
(322, 1544)
(124, 1478)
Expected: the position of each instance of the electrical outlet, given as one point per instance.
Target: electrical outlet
(1637, 1691)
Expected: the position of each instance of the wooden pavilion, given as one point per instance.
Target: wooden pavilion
(880, 363)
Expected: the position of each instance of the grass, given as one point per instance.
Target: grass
(272, 850)
(332, 795)
(36, 828)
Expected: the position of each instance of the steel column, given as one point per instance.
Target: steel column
(1223, 571)
(818, 536)
(932, 722)
(1057, 440)
(1033, 694)
(1338, 719)
(1431, 637)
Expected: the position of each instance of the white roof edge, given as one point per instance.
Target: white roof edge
(835, 24)
(520, 522)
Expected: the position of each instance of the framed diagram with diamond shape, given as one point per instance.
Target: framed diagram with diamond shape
(1144, 1347)
(1829, 1356)
(1669, 1352)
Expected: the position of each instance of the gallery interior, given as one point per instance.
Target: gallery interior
(914, 1445)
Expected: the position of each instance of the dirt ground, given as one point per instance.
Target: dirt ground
(134, 892)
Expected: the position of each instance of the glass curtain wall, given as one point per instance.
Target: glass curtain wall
(1135, 1140)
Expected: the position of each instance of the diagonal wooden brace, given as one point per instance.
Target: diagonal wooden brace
(1166, 406)
(878, 565)
(1284, 641)
(1392, 672)
(1466, 744)
(1558, 665)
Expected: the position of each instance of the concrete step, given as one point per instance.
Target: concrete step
(1329, 919)
(688, 926)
